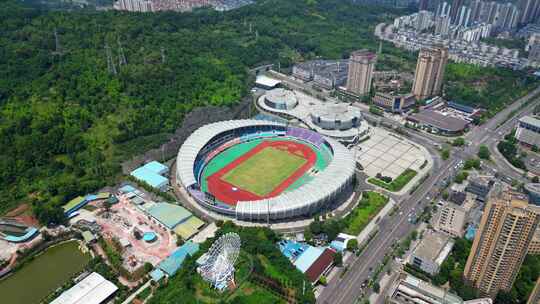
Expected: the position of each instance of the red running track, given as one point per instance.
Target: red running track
(223, 191)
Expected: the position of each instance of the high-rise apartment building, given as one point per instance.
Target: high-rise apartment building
(501, 243)
(454, 9)
(429, 73)
(529, 10)
(423, 5)
(534, 298)
(361, 66)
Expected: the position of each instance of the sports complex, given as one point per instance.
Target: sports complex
(260, 170)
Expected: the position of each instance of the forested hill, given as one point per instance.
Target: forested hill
(64, 116)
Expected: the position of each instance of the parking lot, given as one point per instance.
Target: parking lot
(389, 154)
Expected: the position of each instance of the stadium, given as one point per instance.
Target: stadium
(258, 170)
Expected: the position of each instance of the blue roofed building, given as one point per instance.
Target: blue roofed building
(312, 261)
(127, 189)
(174, 262)
(156, 167)
(460, 107)
(156, 275)
(151, 178)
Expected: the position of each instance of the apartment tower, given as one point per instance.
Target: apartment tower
(428, 78)
(361, 66)
(501, 243)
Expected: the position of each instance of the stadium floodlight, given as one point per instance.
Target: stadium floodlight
(218, 265)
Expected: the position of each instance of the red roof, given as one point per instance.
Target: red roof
(320, 265)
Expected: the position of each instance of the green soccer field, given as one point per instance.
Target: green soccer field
(263, 172)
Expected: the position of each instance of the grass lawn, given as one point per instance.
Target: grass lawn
(398, 183)
(370, 204)
(263, 172)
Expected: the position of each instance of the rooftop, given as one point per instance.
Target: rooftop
(411, 284)
(156, 167)
(94, 289)
(307, 258)
(439, 120)
(432, 246)
(153, 179)
(267, 81)
(168, 214)
(320, 265)
(530, 120)
(173, 263)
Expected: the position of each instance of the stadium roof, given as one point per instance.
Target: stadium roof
(153, 179)
(173, 263)
(156, 167)
(168, 214)
(325, 184)
(196, 141)
(94, 289)
(437, 120)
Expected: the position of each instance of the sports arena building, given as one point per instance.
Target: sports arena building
(339, 121)
(258, 170)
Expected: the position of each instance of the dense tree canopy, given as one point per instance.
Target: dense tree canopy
(66, 120)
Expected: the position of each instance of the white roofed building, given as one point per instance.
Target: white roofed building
(94, 289)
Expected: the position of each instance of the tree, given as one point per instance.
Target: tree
(323, 281)
(352, 245)
(535, 179)
(483, 152)
(458, 142)
(338, 259)
(376, 287)
(445, 154)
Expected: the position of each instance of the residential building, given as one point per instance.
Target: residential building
(423, 5)
(409, 289)
(442, 25)
(506, 229)
(533, 190)
(480, 185)
(431, 251)
(429, 74)
(534, 247)
(528, 131)
(529, 10)
(454, 9)
(534, 298)
(393, 102)
(361, 66)
(451, 220)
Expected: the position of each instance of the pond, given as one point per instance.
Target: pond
(48, 271)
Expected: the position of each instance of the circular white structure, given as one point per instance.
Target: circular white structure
(336, 117)
(218, 265)
(325, 188)
(280, 99)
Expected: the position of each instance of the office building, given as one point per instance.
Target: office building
(506, 229)
(393, 102)
(429, 73)
(431, 252)
(361, 66)
(534, 298)
(528, 131)
(451, 220)
(480, 186)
